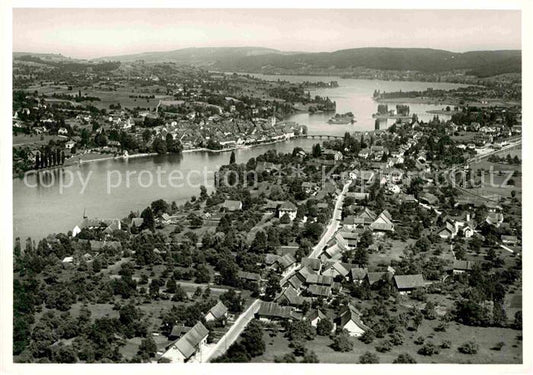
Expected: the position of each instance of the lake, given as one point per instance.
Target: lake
(54, 201)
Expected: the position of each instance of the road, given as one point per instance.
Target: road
(333, 225)
(332, 228)
(235, 330)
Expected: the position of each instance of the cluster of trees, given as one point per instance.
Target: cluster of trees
(251, 344)
(48, 157)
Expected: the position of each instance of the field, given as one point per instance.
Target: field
(511, 352)
(107, 97)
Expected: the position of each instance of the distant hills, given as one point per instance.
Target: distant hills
(257, 59)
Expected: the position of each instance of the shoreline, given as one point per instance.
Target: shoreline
(147, 154)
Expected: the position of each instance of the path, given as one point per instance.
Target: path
(233, 333)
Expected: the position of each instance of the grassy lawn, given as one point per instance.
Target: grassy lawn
(457, 334)
(34, 139)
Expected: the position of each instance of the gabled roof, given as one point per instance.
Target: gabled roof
(319, 290)
(294, 281)
(350, 313)
(386, 227)
(249, 276)
(374, 277)
(339, 268)
(286, 261)
(232, 205)
(315, 313)
(319, 280)
(313, 263)
(271, 258)
(291, 296)
(219, 310)
(462, 265)
(367, 214)
(358, 273)
(188, 344)
(274, 310)
(409, 281)
(288, 206)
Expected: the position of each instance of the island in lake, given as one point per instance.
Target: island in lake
(342, 119)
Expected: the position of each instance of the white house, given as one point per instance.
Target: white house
(188, 345)
(288, 208)
(217, 312)
(350, 320)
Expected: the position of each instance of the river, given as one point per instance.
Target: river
(54, 201)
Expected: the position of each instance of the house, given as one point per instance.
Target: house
(350, 238)
(178, 330)
(67, 260)
(188, 345)
(217, 312)
(462, 266)
(271, 311)
(383, 222)
(314, 316)
(271, 259)
(357, 196)
(494, 218)
(232, 205)
(312, 263)
(336, 269)
(95, 223)
(332, 154)
(509, 240)
(350, 320)
(368, 216)
(295, 281)
(351, 222)
(391, 188)
(448, 231)
(314, 279)
(288, 208)
(289, 296)
(70, 145)
(249, 276)
(428, 198)
(364, 153)
(374, 277)
(408, 283)
(319, 291)
(137, 222)
(358, 275)
(285, 262)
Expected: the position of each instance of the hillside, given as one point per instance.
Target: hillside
(257, 59)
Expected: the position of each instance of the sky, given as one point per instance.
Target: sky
(91, 33)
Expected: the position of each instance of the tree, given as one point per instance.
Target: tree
(148, 347)
(272, 285)
(252, 339)
(324, 327)
(232, 157)
(342, 342)
(469, 347)
(310, 357)
(404, 358)
(428, 349)
(232, 301)
(285, 219)
(149, 221)
(368, 358)
(171, 286)
(317, 150)
(202, 274)
(179, 295)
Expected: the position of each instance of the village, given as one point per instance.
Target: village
(363, 245)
